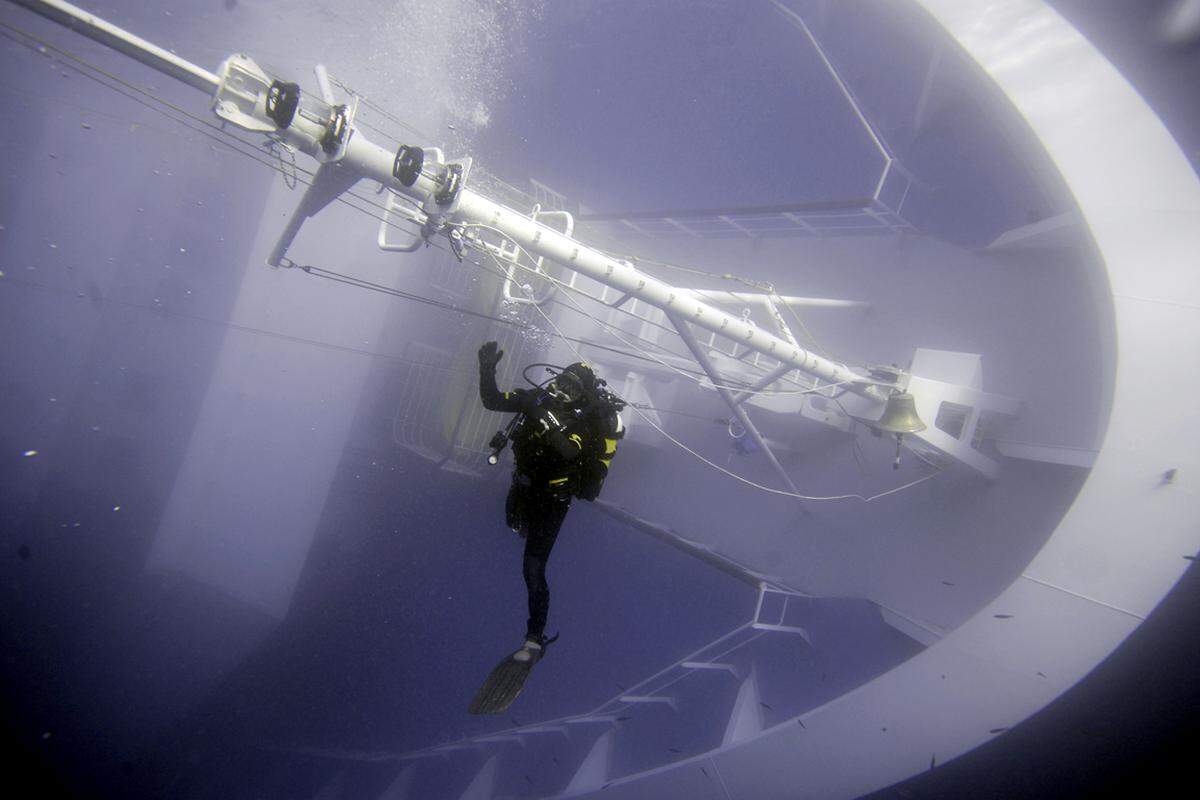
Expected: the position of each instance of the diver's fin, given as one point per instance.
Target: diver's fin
(507, 680)
(502, 686)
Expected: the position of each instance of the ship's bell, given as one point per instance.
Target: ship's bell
(900, 415)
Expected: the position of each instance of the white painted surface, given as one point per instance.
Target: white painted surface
(1120, 547)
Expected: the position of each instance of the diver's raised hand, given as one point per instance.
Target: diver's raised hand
(490, 355)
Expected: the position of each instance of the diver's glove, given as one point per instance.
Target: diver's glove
(490, 355)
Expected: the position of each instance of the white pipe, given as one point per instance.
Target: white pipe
(323, 84)
(509, 297)
(702, 358)
(123, 41)
(723, 295)
(624, 277)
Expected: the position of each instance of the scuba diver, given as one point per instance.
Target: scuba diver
(564, 435)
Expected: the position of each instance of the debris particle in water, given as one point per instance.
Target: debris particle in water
(30, 453)
(46, 735)
(116, 508)
(85, 126)
(1003, 616)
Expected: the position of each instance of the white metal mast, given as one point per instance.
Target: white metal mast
(245, 96)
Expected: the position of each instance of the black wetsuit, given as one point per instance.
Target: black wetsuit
(543, 480)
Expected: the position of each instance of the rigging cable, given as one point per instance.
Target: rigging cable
(361, 283)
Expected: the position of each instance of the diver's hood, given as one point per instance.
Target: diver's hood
(574, 384)
(583, 373)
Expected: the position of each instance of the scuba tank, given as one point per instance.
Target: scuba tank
(605, 429)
